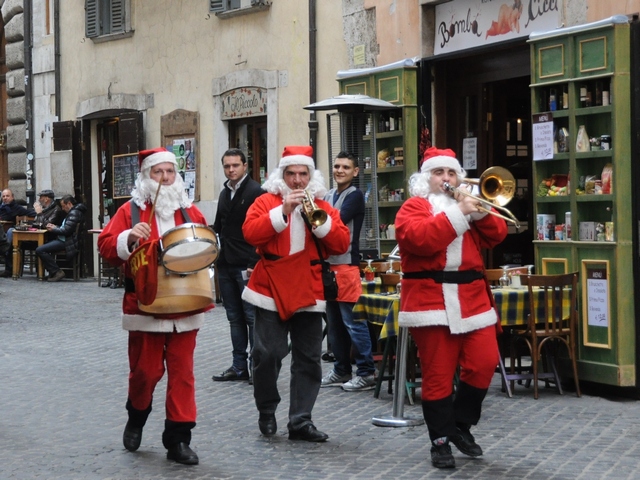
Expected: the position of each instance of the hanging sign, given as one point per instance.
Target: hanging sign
(542, 136)
(463, 24)
(244, 102)
(470, 153)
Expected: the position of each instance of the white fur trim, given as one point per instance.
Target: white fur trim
(297, 160)
(146, 323)
(156, 158)
(434, 318)
(267, 303)
(458, 221)
(454, 255)
(323, 230)
(298, 231)
(277, 220)
(122, 248)
(441, 161)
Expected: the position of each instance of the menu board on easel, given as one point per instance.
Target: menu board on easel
(596, 314)
(125, 172)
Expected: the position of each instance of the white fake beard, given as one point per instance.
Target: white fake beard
(440, 201)
(169, 198)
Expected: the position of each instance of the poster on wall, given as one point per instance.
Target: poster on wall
(463, 24)
(184, 150)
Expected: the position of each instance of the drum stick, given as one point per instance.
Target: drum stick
(153, 207)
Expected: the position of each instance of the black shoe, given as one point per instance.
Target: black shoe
(182, 453)
(231, 374)
(465, 442)
(132, 437)
(308, 433)
(267, 424)
(441, 455)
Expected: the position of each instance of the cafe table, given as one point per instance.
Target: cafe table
(29, 235)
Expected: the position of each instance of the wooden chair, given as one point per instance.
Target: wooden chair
(72, 265)
(548, 321)
(493, 275)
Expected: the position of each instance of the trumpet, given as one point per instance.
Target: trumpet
(315, 215)
(497, 188)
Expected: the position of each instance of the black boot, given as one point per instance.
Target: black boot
(176, 439)
(132, 435)
(468, 408)
(439, 417)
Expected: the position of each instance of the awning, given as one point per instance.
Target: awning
(351, 103)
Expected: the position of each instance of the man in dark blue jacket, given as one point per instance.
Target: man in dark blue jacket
(67, 237)
(236, 259)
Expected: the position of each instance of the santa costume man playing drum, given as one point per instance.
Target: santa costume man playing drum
(156, 341)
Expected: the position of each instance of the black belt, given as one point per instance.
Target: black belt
(439, 276)
(269, 256)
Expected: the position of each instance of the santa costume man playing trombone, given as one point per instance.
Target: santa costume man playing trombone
(446, 301)
(156, 342)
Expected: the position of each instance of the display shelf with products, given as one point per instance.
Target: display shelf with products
(389, 145)
(581, 77)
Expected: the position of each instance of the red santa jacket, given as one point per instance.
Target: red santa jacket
(112, 244)
(446, 241)
(274, 237)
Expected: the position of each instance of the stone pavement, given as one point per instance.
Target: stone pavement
(63, 371)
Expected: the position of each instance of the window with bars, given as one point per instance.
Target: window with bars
(107, 17)
(228, 5)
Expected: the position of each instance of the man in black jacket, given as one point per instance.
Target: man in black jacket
(236, 259)
(67, 237)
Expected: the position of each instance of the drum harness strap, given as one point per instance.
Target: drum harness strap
(129, 285)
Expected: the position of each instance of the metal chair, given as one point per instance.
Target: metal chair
(551, 318)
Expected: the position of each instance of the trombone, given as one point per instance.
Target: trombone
(497, 188)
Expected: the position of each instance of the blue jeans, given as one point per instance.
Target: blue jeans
(239, 313)
(271, 346)
(45, 253)
(344, 332)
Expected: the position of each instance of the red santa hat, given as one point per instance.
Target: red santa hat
(437, 158)
(149, 158)
(297, 155)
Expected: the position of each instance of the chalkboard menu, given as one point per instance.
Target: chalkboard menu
(125, 172)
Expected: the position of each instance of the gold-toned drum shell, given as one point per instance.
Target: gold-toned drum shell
(180, 293)
(188, 248)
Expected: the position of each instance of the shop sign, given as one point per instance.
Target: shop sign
(463, 24)
(244, 102)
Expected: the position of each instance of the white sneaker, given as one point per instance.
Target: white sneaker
(332, 379)
(360, 383)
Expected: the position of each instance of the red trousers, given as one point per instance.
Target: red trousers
(148, 355)
(441, 352)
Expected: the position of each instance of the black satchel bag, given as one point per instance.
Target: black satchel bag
(329, 281)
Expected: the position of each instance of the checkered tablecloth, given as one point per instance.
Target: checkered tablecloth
(376, 287)
(379, 309)
(513, 304)
(382, 309)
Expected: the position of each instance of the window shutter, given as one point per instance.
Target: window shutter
(63, 135)
(91, 18)
(117, 16)
(217, 5)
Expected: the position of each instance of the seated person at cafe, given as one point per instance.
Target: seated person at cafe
(9, 210)
(47, 210)
(66, 238)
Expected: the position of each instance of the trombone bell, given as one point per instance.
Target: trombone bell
(496, 184)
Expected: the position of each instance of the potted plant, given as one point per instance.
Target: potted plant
(369, 273)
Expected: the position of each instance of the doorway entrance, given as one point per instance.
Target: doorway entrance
(483, 112)
(250, 136)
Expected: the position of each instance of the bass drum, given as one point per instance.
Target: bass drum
(180, 293)
(188, 248)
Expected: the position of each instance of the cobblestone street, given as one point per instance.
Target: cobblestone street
(63, 365)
